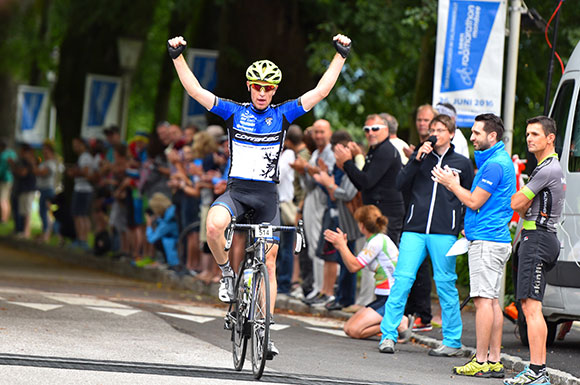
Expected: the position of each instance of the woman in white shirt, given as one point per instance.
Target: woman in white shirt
(45, 183)
(379, 254)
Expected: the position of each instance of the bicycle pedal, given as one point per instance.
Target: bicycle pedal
(228, 323)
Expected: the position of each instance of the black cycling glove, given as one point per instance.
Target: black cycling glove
(175, 52)
(343, 50)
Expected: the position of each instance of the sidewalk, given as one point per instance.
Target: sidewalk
(170, 279)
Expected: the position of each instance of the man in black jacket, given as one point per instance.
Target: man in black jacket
(378, 177)
(432, 223)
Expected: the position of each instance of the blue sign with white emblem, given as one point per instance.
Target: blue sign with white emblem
(203, 64)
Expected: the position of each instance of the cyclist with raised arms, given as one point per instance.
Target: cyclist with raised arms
(256, 133)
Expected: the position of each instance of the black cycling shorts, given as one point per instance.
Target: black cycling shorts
(242, 196)
(378, 304)
(537, 254)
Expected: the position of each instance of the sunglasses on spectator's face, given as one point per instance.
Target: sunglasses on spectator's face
(258, 87)
(373, 128)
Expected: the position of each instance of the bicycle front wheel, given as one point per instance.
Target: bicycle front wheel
(240, 326)
(260, 320)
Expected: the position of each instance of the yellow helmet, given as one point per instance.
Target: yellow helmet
(265, 71)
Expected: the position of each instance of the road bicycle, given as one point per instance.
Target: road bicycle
(249, 317)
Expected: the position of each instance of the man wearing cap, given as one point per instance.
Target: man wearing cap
(256, 133)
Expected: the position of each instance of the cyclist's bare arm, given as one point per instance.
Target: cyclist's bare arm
(187, 78)
(324, 86)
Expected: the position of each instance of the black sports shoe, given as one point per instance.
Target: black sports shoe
(333, 305)
(226, 291)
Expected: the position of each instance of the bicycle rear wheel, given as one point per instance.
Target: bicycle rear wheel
(260, 320)
(240, 326)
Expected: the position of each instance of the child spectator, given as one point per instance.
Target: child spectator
(162, 227)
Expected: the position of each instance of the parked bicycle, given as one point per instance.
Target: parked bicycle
(249, 317)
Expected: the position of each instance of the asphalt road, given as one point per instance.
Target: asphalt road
(64, 324)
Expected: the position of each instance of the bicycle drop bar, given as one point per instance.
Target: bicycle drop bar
(264, 230)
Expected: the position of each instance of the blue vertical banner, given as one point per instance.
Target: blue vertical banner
(32, 115)
(203, 64)
(469, 57)
(101, 107)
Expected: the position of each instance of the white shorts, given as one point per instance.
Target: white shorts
(5, 189)
(486, 263)
(25, 200)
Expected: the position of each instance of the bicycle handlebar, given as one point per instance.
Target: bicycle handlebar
(300, 241)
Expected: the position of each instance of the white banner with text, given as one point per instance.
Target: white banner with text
(469, 57)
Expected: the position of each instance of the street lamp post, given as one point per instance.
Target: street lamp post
(129, 50)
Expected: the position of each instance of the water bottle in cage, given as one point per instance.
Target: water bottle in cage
(248, 279)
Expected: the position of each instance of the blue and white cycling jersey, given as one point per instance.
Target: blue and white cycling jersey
(256, 137)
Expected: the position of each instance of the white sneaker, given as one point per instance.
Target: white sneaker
(387, 346)
(272, 351)
(226, 291)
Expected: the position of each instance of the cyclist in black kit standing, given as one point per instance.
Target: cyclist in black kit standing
(256, 133)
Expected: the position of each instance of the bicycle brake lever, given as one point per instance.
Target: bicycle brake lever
(300, 240)
(230, 234)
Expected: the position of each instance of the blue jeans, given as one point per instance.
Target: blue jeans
(412, 252)
(346, 291)
(45, 196)
(285, 261)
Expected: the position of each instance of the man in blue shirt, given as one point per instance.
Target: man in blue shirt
(486, 228)
(256, 133)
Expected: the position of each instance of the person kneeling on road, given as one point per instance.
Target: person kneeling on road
(379, 254)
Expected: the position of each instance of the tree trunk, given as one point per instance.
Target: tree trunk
(8, 86)
(7, 107)
(35, 71)
(91, 47)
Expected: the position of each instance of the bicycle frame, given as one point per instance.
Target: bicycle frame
(255, 299)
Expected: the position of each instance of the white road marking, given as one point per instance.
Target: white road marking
(199, 310)
(325, 322)
(121, 312)
(279, 327)
(82, 300)
(37, 306)
(335, 332)
(193, 318)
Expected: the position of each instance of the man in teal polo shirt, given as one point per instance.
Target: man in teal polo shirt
(486, 228)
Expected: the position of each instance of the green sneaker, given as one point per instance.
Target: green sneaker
(473, 369)
(496, 369)
(143, 262)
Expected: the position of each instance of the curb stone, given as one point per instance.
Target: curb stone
(172, 280)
